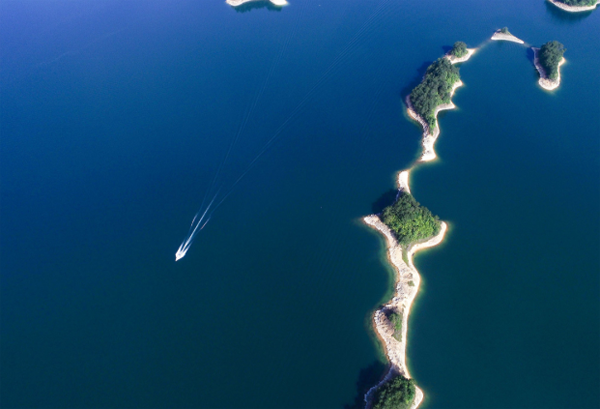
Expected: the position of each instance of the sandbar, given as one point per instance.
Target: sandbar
(544, 81)
(499, 36)
(574, 9)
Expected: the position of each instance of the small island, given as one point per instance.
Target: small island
(504, 35)
(459, 53)
(235, 3)
(430, 97)
(547, 61)
(576, 6)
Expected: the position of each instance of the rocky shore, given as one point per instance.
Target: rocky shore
(574, 9)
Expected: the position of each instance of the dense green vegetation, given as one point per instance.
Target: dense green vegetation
(396, 320)
(409, 221)
(578, 2)
(550, 55)
(434, 90)
(395, 394)
(459, 49)
(504, 30)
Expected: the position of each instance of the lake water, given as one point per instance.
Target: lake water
(115, 117)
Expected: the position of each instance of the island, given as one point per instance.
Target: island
(408, 227)
(576, 6)
(236, 3)
(459, 53)
(547, 61)
(504, 35)
(430, 97)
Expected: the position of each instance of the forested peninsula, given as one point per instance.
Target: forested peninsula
(576, 6)
(433, 95)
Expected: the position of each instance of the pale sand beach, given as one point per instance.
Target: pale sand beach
(573, 9)
(498, 36)
(455, 60)
(430, 138)
(236, 3)
(544, 81)
(407, 287)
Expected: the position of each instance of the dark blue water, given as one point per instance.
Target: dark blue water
(115, 117)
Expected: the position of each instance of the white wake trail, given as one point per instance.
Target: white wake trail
(187, 242)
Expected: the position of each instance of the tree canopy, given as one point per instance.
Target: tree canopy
(409, 221)
(459, 49)
(504, 30)
(434, 90)
(398, 393)
(550, 55)
(578, 2)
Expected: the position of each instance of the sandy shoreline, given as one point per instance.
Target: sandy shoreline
(236, 3)
(456, 60)
(544, 81)
(498, 36)
(574, 9)
(407, 287)
(408, 279)
(430, 138)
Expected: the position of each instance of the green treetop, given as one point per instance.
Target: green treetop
(434, 90)
(409, 221)
(550, 55)
(578, 2)
(459, 50)
(398, 393)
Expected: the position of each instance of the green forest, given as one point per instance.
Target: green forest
(578, 2)
(459, 49)
(550, 55)
(409, 221)
(434, 90)
(504, 30)
(395, 394)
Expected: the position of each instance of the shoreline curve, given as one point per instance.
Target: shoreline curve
(235, 3)
(573, 9)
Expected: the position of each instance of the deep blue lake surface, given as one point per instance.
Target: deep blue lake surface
(115, 117)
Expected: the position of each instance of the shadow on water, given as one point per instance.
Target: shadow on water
(416, 80)
(565, 17)
(385, 200)
(246, 7)
(367, 377)
(530, 56)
